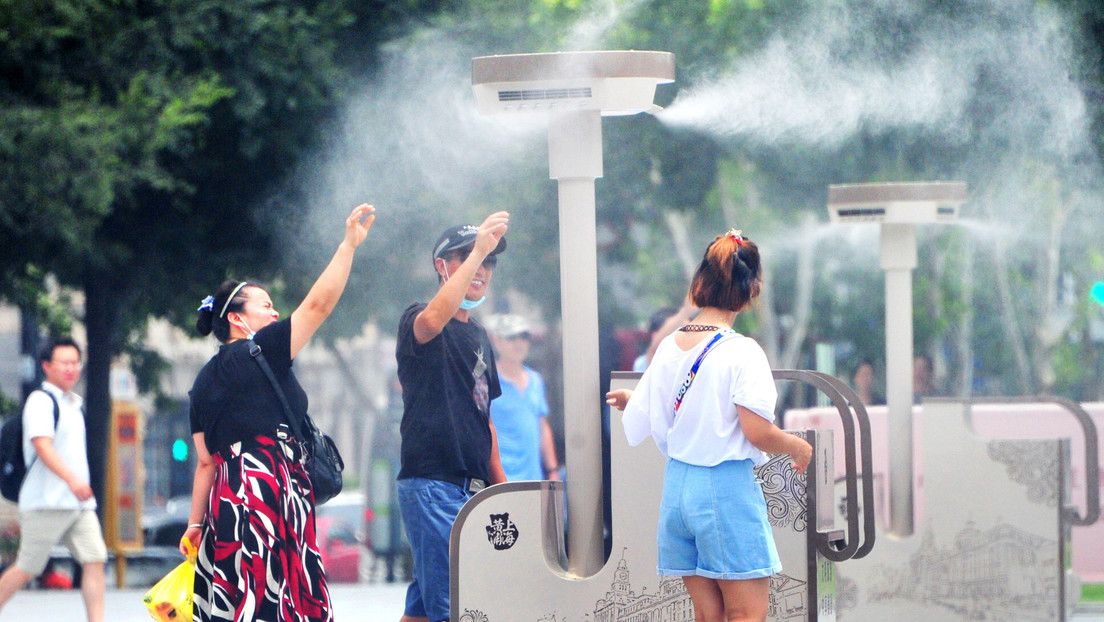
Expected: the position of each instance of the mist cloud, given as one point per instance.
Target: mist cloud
(847, 66)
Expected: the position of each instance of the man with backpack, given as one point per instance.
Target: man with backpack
(55, 501)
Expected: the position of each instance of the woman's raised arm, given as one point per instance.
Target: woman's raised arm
(327, 290)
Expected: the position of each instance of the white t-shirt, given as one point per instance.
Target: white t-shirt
(706, 430)
(43, 489)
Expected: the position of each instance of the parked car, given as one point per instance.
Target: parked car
(164, 526)
(342, 528)
(351, 508)
(341, 552)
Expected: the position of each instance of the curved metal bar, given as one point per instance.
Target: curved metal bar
(851, 544)
(1092, 451)
(866, 457)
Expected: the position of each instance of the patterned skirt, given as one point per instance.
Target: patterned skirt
(258, 556)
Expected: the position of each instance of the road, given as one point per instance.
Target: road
(366, 602)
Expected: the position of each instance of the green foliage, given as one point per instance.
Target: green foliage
(767, 187)
(155, 148)
(30, 292)
(144, 136)
(9, 405)
(1092, 592)
(146, 365)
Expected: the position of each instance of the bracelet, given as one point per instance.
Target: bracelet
(199, 525)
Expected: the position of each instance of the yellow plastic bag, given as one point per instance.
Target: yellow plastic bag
(170, 599)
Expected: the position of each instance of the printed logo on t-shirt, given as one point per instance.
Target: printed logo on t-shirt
(482, 392)
(480, 364)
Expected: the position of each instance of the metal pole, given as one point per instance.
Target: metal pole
(898, 258)
(575, 160)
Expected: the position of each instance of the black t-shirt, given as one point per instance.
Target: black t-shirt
(233, 400)
(447, 385)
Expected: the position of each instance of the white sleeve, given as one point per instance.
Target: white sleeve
(753, 382)
(637, 419)
(38, 416)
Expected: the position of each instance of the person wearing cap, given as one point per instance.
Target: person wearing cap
(520, 414)
(446, 365)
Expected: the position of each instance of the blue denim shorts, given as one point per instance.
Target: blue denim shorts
(429, 508)
(713, 523)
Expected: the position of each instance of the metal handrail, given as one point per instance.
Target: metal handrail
(866, 456)
(850, 410)
(1092, 450)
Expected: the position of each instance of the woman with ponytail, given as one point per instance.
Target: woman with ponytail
(252, 513)
(712, 417)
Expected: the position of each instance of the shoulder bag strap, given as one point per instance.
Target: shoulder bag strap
(57, 408)
(255, 352)
(57, 416)
(697, 363)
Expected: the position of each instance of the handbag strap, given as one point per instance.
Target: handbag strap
(255, 352)
(697, 363)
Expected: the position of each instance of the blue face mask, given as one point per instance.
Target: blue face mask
(468, 305)
(465, 304)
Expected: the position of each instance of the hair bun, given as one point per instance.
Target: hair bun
(204, 322)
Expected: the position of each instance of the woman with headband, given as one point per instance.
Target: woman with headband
(252, 510)
(712, 417)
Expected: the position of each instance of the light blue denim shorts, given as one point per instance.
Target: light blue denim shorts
(713, 523)
(429, 508)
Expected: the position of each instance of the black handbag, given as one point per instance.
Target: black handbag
(323, 462)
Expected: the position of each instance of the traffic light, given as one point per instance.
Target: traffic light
(180, 450)
(1097, 292)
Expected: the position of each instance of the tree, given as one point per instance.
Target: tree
(140, 142)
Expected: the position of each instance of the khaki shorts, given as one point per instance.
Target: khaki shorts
(41, 530)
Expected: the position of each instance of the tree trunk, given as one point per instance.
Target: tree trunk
(1054, 324)
(784, 348)
(964, 334)
(29, 344)
(678, 225)
(1010, 321)
(365, 425)
(101, 323)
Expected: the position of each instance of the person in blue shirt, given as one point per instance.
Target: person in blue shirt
(525, 443)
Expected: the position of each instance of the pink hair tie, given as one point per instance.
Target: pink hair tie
(737, 236)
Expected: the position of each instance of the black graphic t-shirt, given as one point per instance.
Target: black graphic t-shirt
(232, 400)
(447, 385)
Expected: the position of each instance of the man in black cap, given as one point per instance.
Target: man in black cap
(448, 376)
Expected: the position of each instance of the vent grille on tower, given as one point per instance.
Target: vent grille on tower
(543, 94)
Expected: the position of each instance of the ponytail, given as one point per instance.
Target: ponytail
(729, 275)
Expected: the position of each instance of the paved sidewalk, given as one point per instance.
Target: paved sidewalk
(366, 602)
(352, 603)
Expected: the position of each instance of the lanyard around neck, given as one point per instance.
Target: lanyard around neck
(697, 363)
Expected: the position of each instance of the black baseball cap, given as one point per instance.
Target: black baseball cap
(460, 237)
